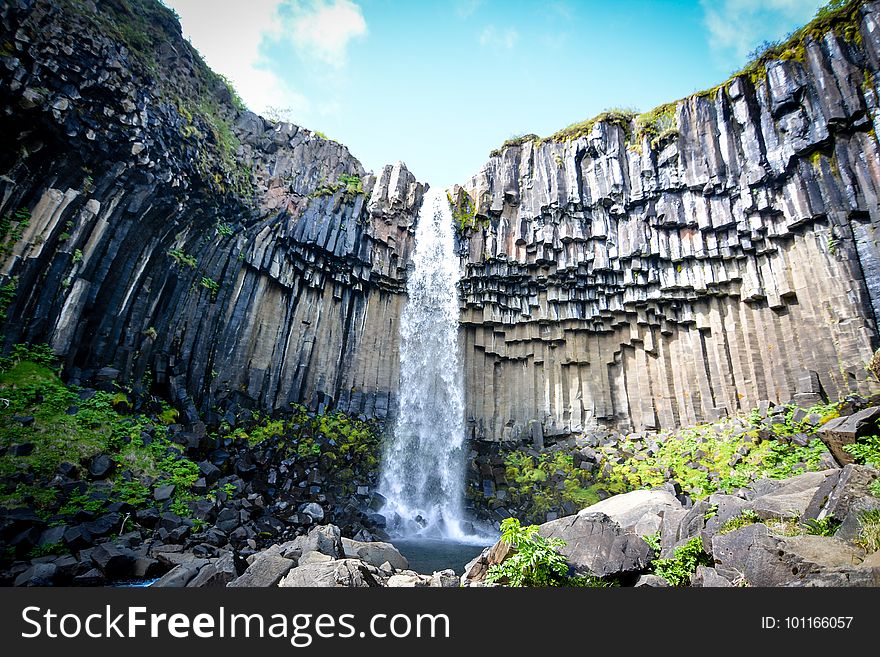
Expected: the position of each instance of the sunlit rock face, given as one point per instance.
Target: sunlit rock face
(612, 281)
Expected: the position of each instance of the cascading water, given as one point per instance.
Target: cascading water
(423, 477)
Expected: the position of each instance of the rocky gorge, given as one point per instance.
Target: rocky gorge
(667, 323)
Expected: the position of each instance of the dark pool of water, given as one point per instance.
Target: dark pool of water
(429, 555)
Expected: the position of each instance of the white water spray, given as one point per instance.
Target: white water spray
(423, 471)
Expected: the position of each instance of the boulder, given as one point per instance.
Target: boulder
(840, 490)
(708, 577)
(640, 510)
(651, 580)
(266, 570)
(228, 519)
(337, 573)
(100, 466)
(40, 574)
(407, 581)
(313, 557)
(845, 430)
(177, 577)
(444, 579)
(791, 499)
(754, 556)
(218, 572)
(596, 545)
(851, 527)
(476, 569)
(325, 539)
(114, 561)
(91, 577)
(374, 553)
(162, 493)
(209, 471)
(313, 511)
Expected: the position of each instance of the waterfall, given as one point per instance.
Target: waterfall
(423, 469)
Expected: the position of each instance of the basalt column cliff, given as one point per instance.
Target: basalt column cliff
(671, 268)
(630, 271)
(156, 231)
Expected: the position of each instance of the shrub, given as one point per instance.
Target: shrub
(825, 527)
(866, 450)
(535, 561)
(679, 569)
(869, 531)
(746, 517)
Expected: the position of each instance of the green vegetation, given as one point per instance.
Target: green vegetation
(225, 230)
(653, 541)
(873, 365)
(530, 490)
(352, 184)
(12, 228)
(824, 527)
(464, 212)
(181, 258)
(658, 125)
(869, 531)
(706, 459)
(68, 429)
(204, 100)
(70, 426)
(679, 569)
(518, 140)
(622, 117)
(340, 443)
(745, 518)
(211, 285)
(7, 295)
(535, 561)
(866, 450)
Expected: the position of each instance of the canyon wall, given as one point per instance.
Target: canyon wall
(156, 232)
(622, 278)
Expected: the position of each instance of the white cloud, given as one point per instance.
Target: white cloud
(228, 34)
(736, 27)
(499, 38)
(322, 30)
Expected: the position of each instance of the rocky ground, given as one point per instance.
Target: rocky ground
(101, 485)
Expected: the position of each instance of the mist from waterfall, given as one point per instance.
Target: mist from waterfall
(423, 467)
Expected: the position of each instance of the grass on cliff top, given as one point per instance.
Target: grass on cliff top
(658, 125)
(206, 100)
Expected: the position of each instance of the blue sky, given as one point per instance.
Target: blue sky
(438, 84)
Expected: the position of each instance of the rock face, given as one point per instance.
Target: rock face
(181, 240)
(614, 281)
(158, 233)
